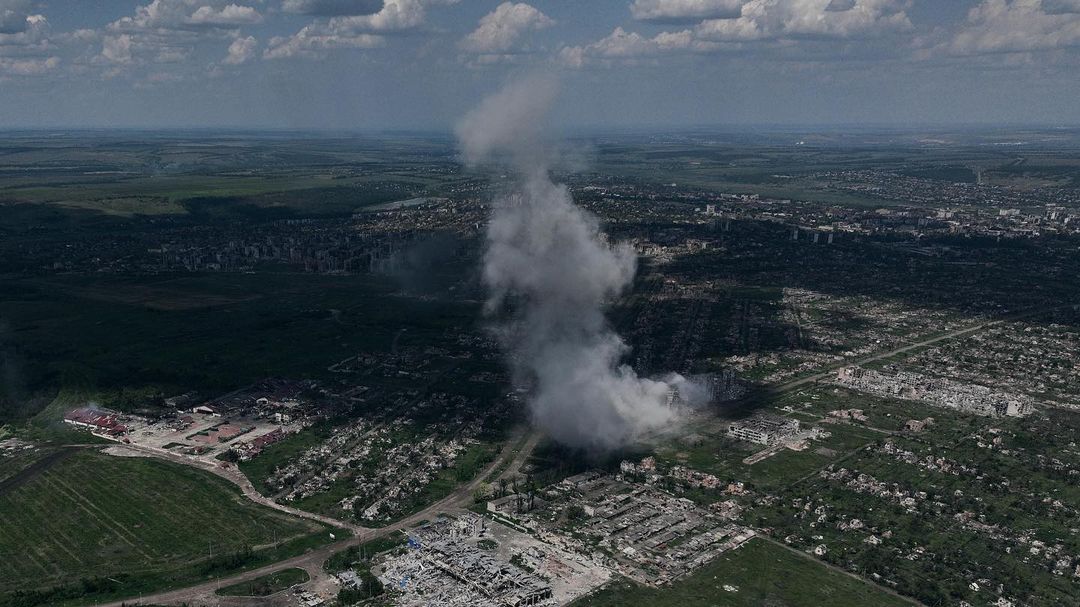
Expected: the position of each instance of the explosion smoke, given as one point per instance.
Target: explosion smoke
(547, 260)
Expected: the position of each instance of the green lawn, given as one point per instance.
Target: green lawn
(79, 520)
(267, 584)
(763, 574)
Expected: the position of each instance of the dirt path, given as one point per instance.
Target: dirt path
(514, 469)
(202, 595)
(234, 476)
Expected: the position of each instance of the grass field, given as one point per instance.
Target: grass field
(267, 584)
(78, 516)
(762, 574)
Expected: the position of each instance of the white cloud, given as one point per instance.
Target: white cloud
(13, 14)
(776, 19)
(27, 67)
(358, 31)
(227, 16)
(332, 8)
(117, 49)
(395, 16)
(167, 31)
(684, 10)
(241, 50)
(624, 45)
(500, 29)
(34, 33)
(1020, 25)
(782, 22)
(187, 14)
(315, 38)
(26, 48)
(80, 35)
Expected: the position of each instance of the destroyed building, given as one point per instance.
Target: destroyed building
(938, 391)
(763, 429)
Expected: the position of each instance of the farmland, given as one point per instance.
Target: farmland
(79, 516)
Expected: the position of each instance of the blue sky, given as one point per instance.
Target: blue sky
(420, 64)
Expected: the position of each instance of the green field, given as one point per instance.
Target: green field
(75, 518)
(763, 574)
(267, 584)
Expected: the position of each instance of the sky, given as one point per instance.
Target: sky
(421, 64)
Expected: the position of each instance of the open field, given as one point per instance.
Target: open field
(147, 524)
(761, 573)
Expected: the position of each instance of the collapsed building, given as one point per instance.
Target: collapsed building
(763, 429)
(649, 535)
(938, 391)
(440, 545)
(97, 420)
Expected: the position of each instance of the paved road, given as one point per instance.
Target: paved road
(202, 595)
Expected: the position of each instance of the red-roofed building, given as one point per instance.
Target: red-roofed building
(98, 420)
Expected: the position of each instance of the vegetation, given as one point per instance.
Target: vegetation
(758, 573)
(85, 525)
(266, 585)
(362, 554)
(359, 559)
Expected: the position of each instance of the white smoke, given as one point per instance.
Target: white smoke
(548, 262)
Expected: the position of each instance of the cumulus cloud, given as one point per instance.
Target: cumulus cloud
(996, 26)
(167, 31)
(332, 8)
(500, 29)
(226, 16)
(13, 14)
(25, 46)
(241, 50)
(313, 39)
(356, 31)
(117, 49)
(624, 45)
(187, 14)
(27, 67)
(685, 10)
(33, 33)
(781, 22)
(776, 19)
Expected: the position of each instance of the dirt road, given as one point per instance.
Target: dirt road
(232, 474)
(202, 595)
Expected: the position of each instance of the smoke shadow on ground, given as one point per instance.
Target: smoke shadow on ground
(437, 265)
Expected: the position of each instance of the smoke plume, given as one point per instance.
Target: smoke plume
(550, 272)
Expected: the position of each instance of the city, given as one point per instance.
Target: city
(639, 303)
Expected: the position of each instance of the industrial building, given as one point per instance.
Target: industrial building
(763, 429)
